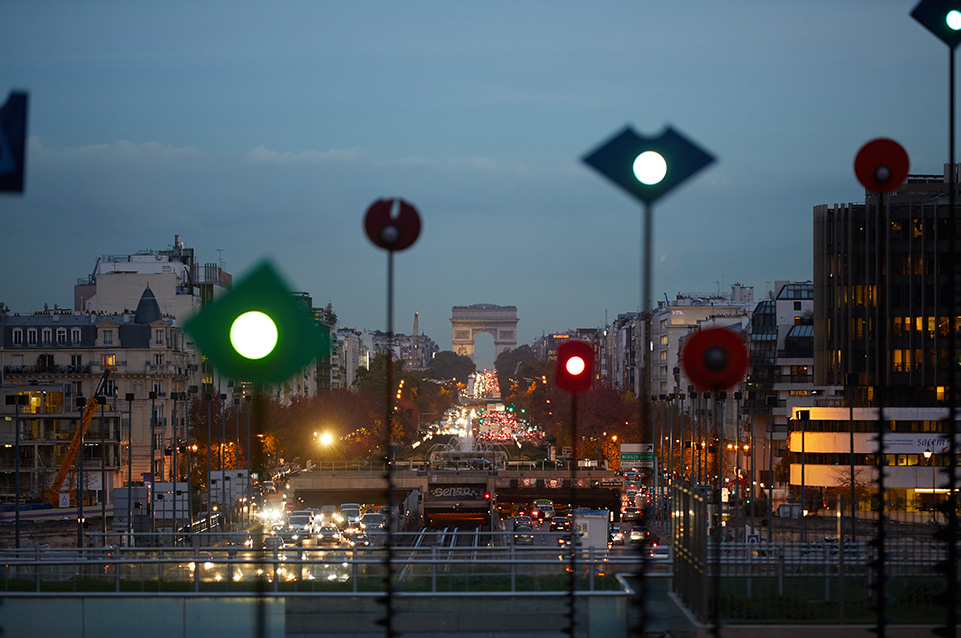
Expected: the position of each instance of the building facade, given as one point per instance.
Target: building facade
(148, 361)
(882, 330)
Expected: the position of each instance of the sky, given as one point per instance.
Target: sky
(265, 130)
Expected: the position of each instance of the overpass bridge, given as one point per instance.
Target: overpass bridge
(458, 492)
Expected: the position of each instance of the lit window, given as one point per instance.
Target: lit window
(108, 359)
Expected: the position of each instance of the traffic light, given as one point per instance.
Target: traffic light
(392, 224)
(258, 331)
(13, 142)
(881, 165)
(575, 366)
(648, 167)
(714, 359)
(942, 18)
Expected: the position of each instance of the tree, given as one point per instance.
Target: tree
(516, 364)
(449, 365)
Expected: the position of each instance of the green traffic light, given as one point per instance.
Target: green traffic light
(953, 19)
(650, 167)
(253, 335)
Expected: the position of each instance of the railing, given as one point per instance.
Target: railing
(236, 569)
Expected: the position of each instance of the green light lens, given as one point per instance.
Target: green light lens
(953, 20)
(650, 168)
(253, 335)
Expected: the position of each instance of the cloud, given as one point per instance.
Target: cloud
(122, 150)
(263, 155)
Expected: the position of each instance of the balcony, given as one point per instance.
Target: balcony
(48, 369)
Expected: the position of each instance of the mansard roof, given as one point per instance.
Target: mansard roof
(148, 310)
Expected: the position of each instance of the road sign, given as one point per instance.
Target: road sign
(753, 539)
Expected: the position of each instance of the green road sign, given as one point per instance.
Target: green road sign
(258, 331)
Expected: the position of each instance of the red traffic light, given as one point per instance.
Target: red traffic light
(714, 359)
(881, 165)
(575, 366)
(392, 231)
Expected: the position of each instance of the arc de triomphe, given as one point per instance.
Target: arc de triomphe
(469, 321)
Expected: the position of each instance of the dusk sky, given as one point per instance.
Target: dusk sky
(256, 130)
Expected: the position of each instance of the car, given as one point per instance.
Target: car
(328, 535)
(351, 513)
(373, 522)
(358, 539)
(561, 524)
(640, 534)
(523, 521)
(272, 543)
(661, 553)
(301, 522)
(565, 540)
(542, 509)
(523, 535)
(330, 516)
(617, 536)
(629, 513)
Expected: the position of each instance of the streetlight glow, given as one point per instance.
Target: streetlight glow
(253, 335)
(326, 438)
(650, 167)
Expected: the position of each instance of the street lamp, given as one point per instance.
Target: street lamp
(927, 457)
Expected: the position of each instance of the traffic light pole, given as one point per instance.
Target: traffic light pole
(389, 454)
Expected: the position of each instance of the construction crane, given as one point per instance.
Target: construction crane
(52, 495)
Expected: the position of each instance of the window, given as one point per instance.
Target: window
(75, 335)
(157, 387)
(110, 388)
(797, 305)
(108, 337)
(76, 360)
(47, 335)
(32, 337)
(159, 337)
(797, 321)
(108, 359)
(62, 336)
(17, 337)
(158, 359)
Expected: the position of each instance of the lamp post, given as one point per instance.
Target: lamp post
(81, 403)
(153, 453)
(223, 472)
(103, 472)
(129, 396)
(927, 457)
